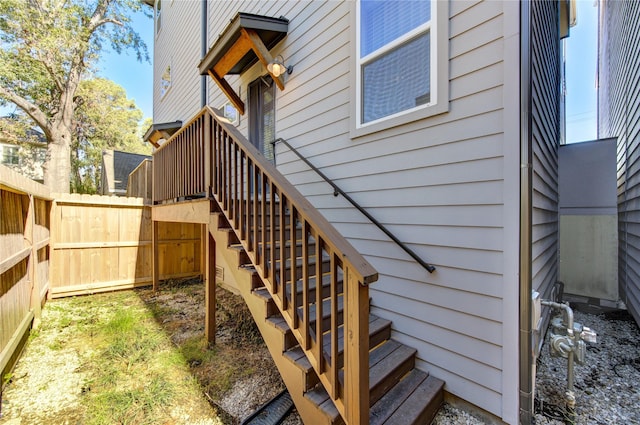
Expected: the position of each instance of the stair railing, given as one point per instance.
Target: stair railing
(337, 191)
(318, 281)
(179, 167)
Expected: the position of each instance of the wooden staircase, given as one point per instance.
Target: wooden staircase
(305, 286)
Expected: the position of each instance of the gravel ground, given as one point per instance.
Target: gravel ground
(607, 387)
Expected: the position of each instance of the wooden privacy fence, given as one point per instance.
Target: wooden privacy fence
(24, 258)
(103, 243)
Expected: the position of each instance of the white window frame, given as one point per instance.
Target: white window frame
(439, 69)
(8, 154)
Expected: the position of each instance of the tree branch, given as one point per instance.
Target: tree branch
(98, 15)
(29, 108)
(45, 61)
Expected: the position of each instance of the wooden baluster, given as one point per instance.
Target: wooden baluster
(333, 366)
(243, 191)
(272, 236)
(319, 328)
(250, 186)
(227, 173)
(305, 285)
(283, 238)
(256, 210)
(263, 225)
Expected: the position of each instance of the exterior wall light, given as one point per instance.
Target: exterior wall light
(277, 67)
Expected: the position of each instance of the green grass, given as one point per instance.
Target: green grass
(131, 378)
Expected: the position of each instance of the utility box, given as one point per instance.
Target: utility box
(589, 219)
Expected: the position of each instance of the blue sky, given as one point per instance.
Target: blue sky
(581, 54)
(136, 77)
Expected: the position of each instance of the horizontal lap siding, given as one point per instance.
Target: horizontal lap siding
(620, 117)
(177, 44)
(437, 184)
(545, 92)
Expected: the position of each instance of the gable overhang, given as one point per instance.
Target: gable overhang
(159, 131)
(246, 40)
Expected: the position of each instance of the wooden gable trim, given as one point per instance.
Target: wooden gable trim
(245, 41)
(157, 132)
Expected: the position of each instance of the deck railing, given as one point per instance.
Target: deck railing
(139, 182)
(315, 277)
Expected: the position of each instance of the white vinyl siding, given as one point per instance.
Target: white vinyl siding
(177, 47)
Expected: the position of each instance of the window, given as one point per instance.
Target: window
(158, 10)
(262, 118)
(401, 62)
(165, 81)
(10, 155)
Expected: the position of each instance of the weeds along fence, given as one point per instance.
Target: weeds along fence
(24, 258)
(103, 243)
(60, 245)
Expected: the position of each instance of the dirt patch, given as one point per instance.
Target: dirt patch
(140, 357)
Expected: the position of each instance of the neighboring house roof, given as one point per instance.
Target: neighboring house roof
(116, 167)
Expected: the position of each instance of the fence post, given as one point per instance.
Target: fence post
(154, 246)
(210, 290)
(33, 262)
(207, 153)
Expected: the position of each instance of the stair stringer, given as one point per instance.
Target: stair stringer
(291, 374)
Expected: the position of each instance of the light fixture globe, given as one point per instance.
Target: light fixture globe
(277, 67)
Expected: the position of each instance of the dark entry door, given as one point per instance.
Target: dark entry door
(262, 118)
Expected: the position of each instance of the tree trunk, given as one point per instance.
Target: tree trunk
(57, 167)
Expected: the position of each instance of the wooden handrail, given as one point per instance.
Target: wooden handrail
(292, 247)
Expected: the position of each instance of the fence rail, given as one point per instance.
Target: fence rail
(24, 259)
(179, 166)
(103, 243)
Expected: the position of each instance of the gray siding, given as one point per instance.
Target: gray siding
(545, 133)
(619, 112)
(177, 44)
(439, 184)
(446, 185)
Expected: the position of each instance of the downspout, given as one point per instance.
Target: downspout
(526, 171)
(203, 51)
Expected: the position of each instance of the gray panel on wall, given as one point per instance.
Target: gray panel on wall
(587, 174)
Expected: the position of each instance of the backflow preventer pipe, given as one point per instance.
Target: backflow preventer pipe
(568, 341)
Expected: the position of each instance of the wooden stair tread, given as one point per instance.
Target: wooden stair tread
(405, 402)
(399, 394)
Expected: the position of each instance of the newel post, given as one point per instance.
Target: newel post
(207, 157)
(356, 350)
